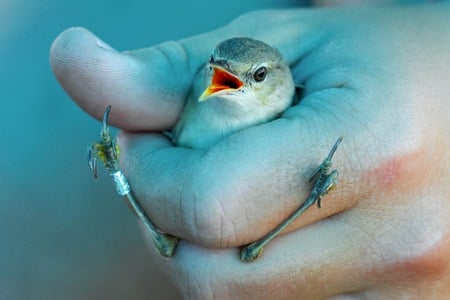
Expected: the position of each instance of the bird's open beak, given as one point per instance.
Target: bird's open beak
(221, 80)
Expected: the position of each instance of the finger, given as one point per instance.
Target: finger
(361, 252)
(146, 88)
(240, 189)
(296, 274)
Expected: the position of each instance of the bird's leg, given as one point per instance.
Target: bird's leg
(325, 180)
(107, 151)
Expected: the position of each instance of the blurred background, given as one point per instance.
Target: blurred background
(62, 234)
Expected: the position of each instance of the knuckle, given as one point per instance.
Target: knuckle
(422, 254)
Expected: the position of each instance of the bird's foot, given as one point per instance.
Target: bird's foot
(107, 150)
(325, 180)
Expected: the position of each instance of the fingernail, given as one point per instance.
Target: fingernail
(103, 45)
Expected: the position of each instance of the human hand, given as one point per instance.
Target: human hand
(377, 76)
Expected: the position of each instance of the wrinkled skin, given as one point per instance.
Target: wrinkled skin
(379, 77)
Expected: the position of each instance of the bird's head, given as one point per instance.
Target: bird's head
(249, 74)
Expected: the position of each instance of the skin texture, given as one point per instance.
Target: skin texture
(376, 76)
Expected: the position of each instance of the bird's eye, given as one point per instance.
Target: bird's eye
(260, 74)
(211, 60)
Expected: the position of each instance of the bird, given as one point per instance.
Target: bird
(246, 82)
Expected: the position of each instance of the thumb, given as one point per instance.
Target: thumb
(146, 87)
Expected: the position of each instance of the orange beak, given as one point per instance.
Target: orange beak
(222, 80)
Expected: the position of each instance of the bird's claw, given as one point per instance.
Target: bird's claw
(92, 159)
(329, 183)
(165, 244)
(251, 252)
(325, 181)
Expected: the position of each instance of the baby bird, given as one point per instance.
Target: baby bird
(245, 83)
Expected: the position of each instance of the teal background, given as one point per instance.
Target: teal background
(63, 235)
